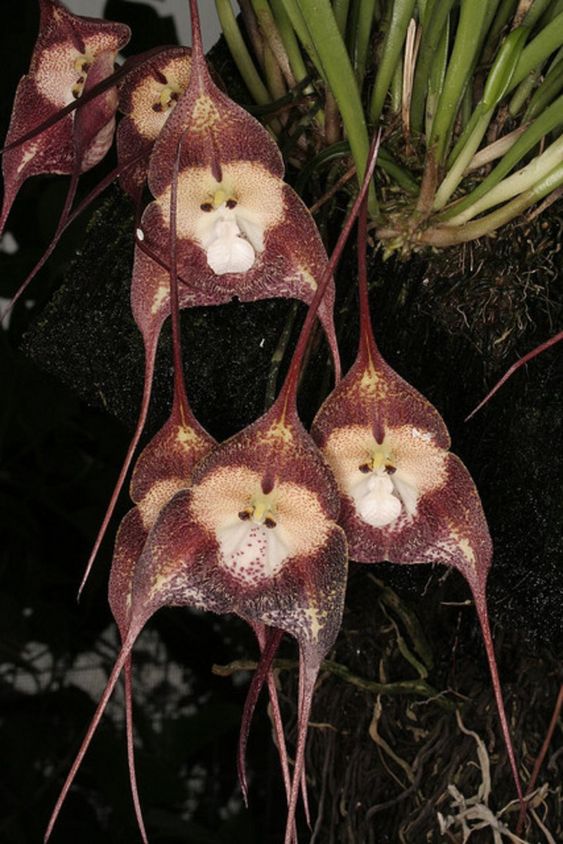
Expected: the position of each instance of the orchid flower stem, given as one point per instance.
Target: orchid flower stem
(514, 368)
(340, 150)
(67, 218)
(278, 356)
(448, 235)
(338, 70)
(472, 15)
(179, 384)
(402, 12)
(240, 53)
(401, 687)
(551, 118)
(547, 741)
(288, 391)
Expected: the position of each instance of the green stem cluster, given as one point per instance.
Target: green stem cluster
(482, 81)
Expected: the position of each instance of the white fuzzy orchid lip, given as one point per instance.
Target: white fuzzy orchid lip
(251, 551)
(227, 251)
(228, 234)
(251, 547)
(228, 219)
(375, 499)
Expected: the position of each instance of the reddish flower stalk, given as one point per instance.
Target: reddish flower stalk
(405, 498)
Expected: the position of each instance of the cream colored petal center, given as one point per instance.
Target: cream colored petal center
(257, 548)
(414, 466)
(152, 101)
(258, 206)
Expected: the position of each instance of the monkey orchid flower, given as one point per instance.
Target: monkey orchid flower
(405, 497)
(71, 56)
(241, 231)
(147, 97)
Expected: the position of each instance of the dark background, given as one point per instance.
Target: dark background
(71, 374)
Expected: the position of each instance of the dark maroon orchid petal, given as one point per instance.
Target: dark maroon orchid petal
(66, 219)
(71, 55)
(164, 467)
(134, 630)
(405, 498)
(147, 97)
(286, 250)
(269, 641)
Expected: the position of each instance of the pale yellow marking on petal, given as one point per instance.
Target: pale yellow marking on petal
(279, 431)
(464, 545)
(313, 616)
(160, 297)
(304, 275)
(372, 383)
(205, 115)
(187, 437)
(28, 155)
(158, 496)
